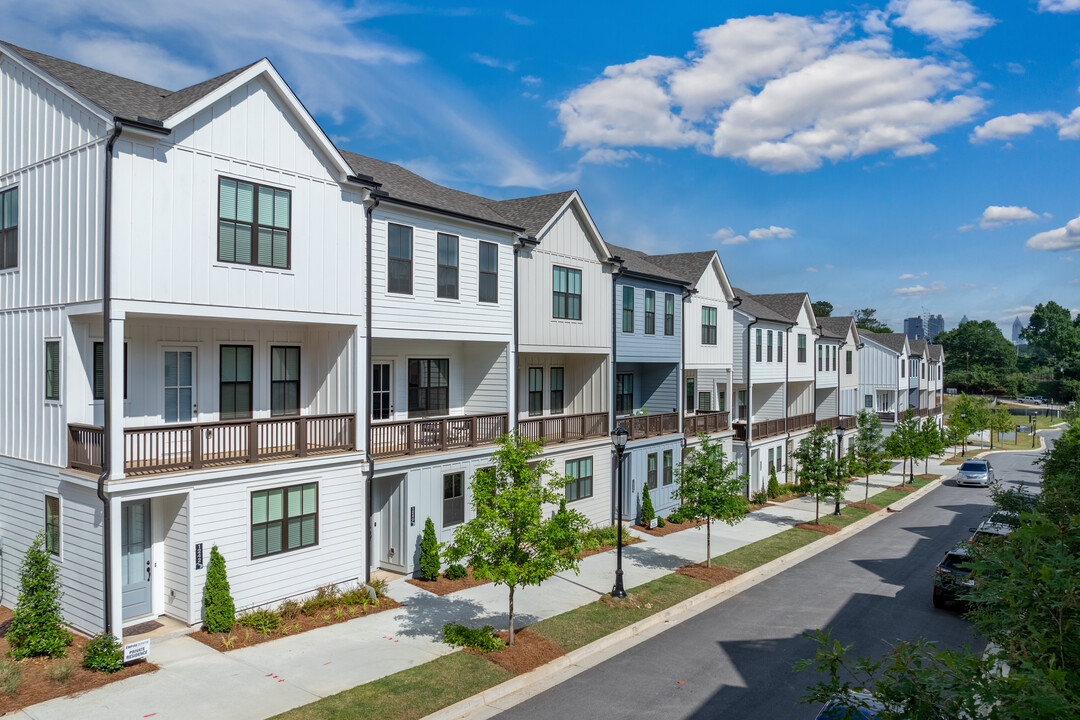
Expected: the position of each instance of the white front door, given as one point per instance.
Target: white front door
(179, 386)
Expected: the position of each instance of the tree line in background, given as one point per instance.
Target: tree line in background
(865, 318)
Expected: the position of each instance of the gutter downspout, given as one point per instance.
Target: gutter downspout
(370, 202)
(787, 381)
(839, 394)
(615, 275)
(680, 397)
(106, 308)
(750, 407)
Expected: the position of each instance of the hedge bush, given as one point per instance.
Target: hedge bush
(429, 553)
(647, 512)
(483, 639)
(219, 610)
(103, 654)
(38, 625)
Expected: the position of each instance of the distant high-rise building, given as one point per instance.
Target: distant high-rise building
(935, 326)
(963, 320)
(1017, 327)
(913, 328)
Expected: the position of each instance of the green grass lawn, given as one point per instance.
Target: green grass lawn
(409, 694)
(888, 497)
(767, 549)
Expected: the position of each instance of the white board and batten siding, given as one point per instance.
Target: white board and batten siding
(165, 205)
(177, 560)
(710, 293)
(878, 370)
(566, 244)
(586, 383)
(422, 313)
(805, 326)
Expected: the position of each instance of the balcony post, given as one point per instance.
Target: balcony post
(196, 447)
(253, 441)
(301, 437)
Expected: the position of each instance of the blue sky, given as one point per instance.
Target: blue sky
(907, 155)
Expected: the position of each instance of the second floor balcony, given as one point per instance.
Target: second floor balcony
(708, 422)
(762, 429)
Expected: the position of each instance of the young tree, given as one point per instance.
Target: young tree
(904, 442)
(1000, 422)
(817, 466)
(711, 487)
(930, 443)
(429, 553)
(509, 541)
(37, 627)
(648, 514)
(955, 431)
(869, 450)
(219, 610)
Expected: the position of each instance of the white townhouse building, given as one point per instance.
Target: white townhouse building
(837, 380)
(182, 324)
(883, 376)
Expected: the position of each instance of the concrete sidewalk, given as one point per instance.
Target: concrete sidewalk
(257, 682)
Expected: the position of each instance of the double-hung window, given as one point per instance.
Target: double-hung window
(820, 350)
(669, 467)
(690, 395)
(253, 224)
(628, 309)
(489, 273)
(624, 393)
(580, 473)
(652, 460)
(708, 326)
(565, 293)
(780, 459)
(650, 312)
(52, 369)
(536, 391)
(772, 460)
(757, 345)
(768, 348)
(429, 387)
(555, 403)
(52, 525)
(9, 229)
(236, 373)
(284, 519)
(779, 347)
(453, 504)
(399, 259)
(847, 362)
(669, 314)
(868, 402)
(284, 381)
(704, 401)
(447, 283)
(99, 370)
(802, 348)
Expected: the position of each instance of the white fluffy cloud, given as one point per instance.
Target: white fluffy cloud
(781, 92)
(810, 269)
(1062, 238)
(935, 288)
(949, 21)
(608, 156)
(770, 232)
(1005, 127)
(1069, 127)
(1059, 6)
(999, 215)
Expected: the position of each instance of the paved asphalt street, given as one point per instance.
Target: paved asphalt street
(734, 660)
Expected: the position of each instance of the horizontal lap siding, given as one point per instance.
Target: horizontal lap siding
(827, 403)
(713, 381)
(598, 508)
(486, 378)
(768, 402)
(657, 347)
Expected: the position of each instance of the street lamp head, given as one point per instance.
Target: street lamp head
(619, 437)
(963, 416)
(840, 432)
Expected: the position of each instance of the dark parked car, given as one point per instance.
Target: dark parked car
(975, 472)
(858, 706)
(952, 576)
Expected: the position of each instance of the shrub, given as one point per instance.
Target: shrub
(37, 628)
(379, 585)
(760, 497)
(325, 597)
(289, 610)
(598, 537)
(262, 621)
(60, 672)
(676, 516)
(660, 522)
(10, 672)
(774, 486)
(103, 654)
(357, 595)
(456, 572)
(484, 639)
(647, 512)
(219, 610)
(429, 553)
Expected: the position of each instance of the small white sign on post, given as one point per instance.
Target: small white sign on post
(653, 523)
(136, 651)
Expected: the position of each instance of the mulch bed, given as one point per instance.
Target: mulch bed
(627, 539)
(752, 507)
(824, 528)
(713, 575)
(444, 585)
(670, 527)
(865, 506)
(242, 637)
(928, 476)
(36, 686)
(789, 496)
(528, 653)
(904, 488)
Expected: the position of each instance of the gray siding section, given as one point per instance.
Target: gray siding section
(485, 378)
(713, 381)
(637, 346)
(656, 385)
(827, 402)
(738, 350)
(768, 402)
(174, 513)
(663, 497)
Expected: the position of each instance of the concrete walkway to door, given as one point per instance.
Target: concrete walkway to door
(257, 682)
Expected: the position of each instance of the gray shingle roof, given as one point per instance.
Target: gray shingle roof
(640, 264)
(119, 96)
(788, 305)
(893, 341)
(918, 347)
(751, 305)
(835, 327)
(690, 266)
(532, 213)
(937, 352)
(408, 186)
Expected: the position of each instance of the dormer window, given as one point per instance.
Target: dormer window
(253, 224)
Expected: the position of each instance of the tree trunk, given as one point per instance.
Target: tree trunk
(817, 508)
(708, 541)
(511, 643)
(867, 498)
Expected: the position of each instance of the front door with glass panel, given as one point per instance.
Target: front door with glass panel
(390, 500)
(382, 407)
(180, 398)
(135, 561)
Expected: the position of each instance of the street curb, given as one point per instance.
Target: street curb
(630, 635)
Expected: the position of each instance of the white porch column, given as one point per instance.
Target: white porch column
(511, 375)
(116, 611)
(360, 396)
(116, 394)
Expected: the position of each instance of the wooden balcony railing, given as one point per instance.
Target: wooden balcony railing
(800, 422)
(413, 437)
(707, 422)
(889, 416)
(644, 426)
(172, 448)
(565, 428)
(848, 421)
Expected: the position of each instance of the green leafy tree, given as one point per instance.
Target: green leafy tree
(930, 442)
(904, 442)
(219, 610)
(38, 625)
(822, 308)
(972, 412)
(817, 466)
(647, 512)
(866, 319)
(711, 487)
(955, 431)
(1052, 331)
(1000, 422)
(978, 357)
(429, 553)
(509, 541)
(869, 451)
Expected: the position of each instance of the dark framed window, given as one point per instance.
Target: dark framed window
(819, 352)
(624, 393)
(708, 326)
(429, 387)
(650, 312)
(757, 345)
(772, 460)
(284, 519)
(447, 258)
(669, 467)
(690, 397)
(9, 229)
(651, 475)
(628, 309)
(704, 401)
(779, 459)
(901, 367)
(740, 404)
(253, 224)
(99, 371)
(284, 381)
(380, 391)
(236, 374)
(581, 479)
(669, 314)
(721, 401)
(802, 348)
(52, 369)
(453, 504)
(52, 524)
(565, 293)
(868, 402)
(536, 391)
(779, 347)
(399, 259)
(556, 402)
(768, 347)
(489, 273)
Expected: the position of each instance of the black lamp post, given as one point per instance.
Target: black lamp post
(1033, 417)
(619, 439)
(839, 449)
(963, 426)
